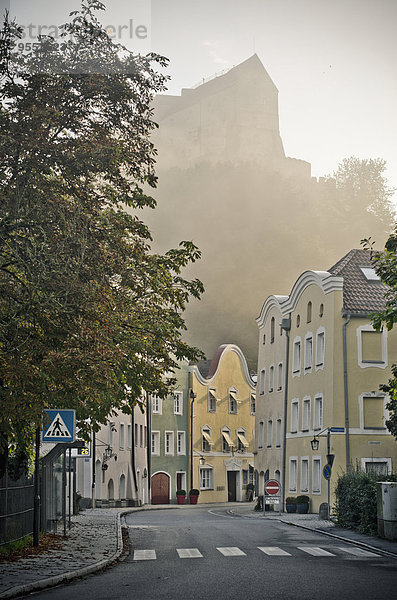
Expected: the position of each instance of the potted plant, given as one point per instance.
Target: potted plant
(193, 496)
(302, 504)
(290, 504)
(180, 496)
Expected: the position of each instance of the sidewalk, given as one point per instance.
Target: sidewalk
(95, 541)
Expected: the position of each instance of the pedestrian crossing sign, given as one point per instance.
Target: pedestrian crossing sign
(59, 425)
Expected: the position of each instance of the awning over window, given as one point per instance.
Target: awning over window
(242, 439)
(228, 439)
(207, 437)
(213, 395)
(233, 395)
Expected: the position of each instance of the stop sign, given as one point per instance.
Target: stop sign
(272, 487)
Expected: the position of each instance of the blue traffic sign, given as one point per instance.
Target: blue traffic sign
(327, 471)
(59, 425)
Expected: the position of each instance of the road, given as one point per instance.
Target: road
(197, 553)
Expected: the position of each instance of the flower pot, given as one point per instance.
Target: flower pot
(193, 499)
(291, 508)
(302, 508)
(180, 499)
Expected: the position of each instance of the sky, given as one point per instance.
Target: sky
(333, 61)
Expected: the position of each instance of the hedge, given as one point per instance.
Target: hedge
(355, 505)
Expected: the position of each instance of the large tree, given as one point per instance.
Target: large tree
(89, 315)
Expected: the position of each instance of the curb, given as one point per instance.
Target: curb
(70, 575)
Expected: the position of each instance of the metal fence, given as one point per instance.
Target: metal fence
(16, 508)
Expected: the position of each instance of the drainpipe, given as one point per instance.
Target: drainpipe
(286, 326)
(346, 390)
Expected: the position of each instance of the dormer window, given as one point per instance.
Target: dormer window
(370, 274)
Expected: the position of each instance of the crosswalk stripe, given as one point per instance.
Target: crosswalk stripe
(145, 555)
(189, 553)
(273, 551)
(231, 551)
(358, 552)
(315, 551)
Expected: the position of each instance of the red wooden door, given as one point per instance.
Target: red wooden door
(160, 489)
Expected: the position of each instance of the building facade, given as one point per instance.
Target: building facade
(333, 362)
(222, 420)
(169, 441)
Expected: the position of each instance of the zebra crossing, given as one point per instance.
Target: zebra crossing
(272, 551)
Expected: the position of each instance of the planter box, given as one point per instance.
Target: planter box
(302, 508)
(291, 508)
(180, 499)
(193, 499)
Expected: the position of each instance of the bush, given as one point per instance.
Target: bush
(303, 500)
(355, 504)
(290, 500)
(194, 492)
(181, 492)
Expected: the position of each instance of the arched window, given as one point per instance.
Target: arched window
(110, 490)
(272, 330)
(122, 494)
(309, 312)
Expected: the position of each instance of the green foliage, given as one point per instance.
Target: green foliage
(194, 492)
(385, 264)
(291, 500)
(89, 315)
(13, 547)
(356, 503)
(181, 492)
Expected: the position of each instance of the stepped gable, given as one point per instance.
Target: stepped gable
(360, 294)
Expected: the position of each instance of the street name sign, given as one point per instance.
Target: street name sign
(272, 487)
(337, 429)
(59, 425)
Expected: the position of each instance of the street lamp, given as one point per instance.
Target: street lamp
(315, 443)
(192, 397)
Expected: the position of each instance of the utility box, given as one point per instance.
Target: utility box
(387, 510)
(323, 512)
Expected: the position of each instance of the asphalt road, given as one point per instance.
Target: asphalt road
(204, 554)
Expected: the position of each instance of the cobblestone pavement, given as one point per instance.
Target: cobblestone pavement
(95, 541)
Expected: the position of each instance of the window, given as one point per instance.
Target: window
(206, 441)
(309, 313)
(318, 412)
(227, 442)
(278, 433)
(376, 466)
(296, 357)
(242, 443)
(233, 402)
(308, 353)
(271, 378)
(178, 403)
(272, 323)
(320, 348)
(129, 436)
(145, 436)
(316, 481)
(298, 320)
(294, 416)
(372, 347)
(252, 404)
(321, 311)
(112, 429)
(269, 433)
(293, 473)
(136, 434)
(141, 436)
(156, 405)
(121, 439)
(156, 443)
(181, 442)
(245, 476)
(304, 474)
(370, 274)
(261, 434)
(206, 479)
(262, 381)
(280, 377)
(212, 400)
(306, 414)
(372, 410)
(264, 339)
(169, 443)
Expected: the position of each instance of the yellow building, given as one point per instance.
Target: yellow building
(330, 390)
(222, 404)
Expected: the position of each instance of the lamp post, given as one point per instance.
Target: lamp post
(315, 442)
(192, 396)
